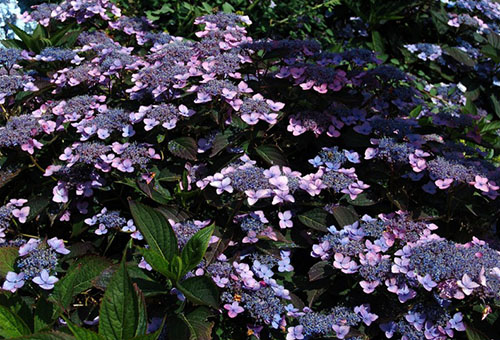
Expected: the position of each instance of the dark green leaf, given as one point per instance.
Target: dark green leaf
(179, 329)
(184, 147)
(378, 42)
(119, 312)
(320, 270)
(271, 154)
(198, 320)
(344, 216)
(8, 256)
(496, 105)
(316, 219)
(78, 278)
(460, 56)
(221, 140)
(195, 248)
(11, 325)
(200, 290)
(46, 336)
(82, 333)
(156, 230)
(494, 40)
(43, 315)
(474, 334)
(361, 200)
(157, 262)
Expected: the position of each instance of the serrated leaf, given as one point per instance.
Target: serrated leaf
(11, 325)
(46, 336)
(220, 142)
(78, 278)
(184, 147)
(156, 230)
(320, 270)
(200, 290)
(174, 213)
(142, 320)
(42, 316)
(195, 248)
(8, 256)
(198, 319)
(157, 262)
(119, 312)
(271, 154)
(316, 219)
(82, 333)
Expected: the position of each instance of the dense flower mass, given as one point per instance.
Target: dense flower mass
(294, 190)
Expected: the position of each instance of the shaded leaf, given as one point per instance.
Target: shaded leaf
(320, 270)
(200, 290)
(119, 312)
(344, 216)
(316, 219)
(8, 256)
(271, 154)
(184, 147)
(156, 230)
(195, 248)
(198, 320)
(11, 325)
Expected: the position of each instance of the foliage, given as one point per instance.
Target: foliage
(213, 185)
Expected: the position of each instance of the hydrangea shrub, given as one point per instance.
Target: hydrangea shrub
(221, 187)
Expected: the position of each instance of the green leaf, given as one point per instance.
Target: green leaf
(271, 154)
(26, 38)
(195, 248)
(142, 321)
(13, 43)
(157, 262)
(460, 56)
(184, 147)
(11, 325)
(494, 40)
(361, 200)
(416, 111)
(78, 278)
(43, 315)
(119, 312)
(178, 328)
(344, 216)
(320, 270)
(316, 219)
(474, 334)
(378, 42)
(55, 38)
(156, 230)
(200, 290)
(220, 142)
(39, 32)
(8, 256)
(46, 336)
(198, 320)
(496, 105)
(82, 333)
